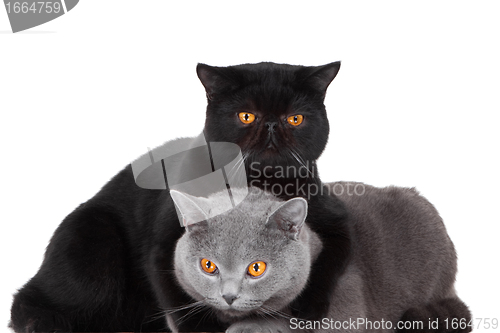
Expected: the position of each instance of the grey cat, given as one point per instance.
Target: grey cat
(249, 263)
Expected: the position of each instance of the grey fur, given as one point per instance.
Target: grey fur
(401, 257)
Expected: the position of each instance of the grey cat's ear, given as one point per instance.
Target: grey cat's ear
(289, 217)
(321, 76)
(214, 79)
(190, 210)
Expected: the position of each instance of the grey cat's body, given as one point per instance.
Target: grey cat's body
(401, 258)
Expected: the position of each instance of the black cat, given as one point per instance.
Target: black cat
(109, 264)
(275, 113)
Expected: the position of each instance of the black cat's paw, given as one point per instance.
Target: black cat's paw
(26, 318)
(449, 315)
(44, 323)
(40, 323)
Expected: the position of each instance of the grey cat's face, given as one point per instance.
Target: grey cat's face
(251, 259)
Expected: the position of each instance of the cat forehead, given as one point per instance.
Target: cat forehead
(241, 233)
(250, 215)
(266, 75)
(266, 68)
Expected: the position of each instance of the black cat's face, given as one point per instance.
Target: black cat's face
(274, 112)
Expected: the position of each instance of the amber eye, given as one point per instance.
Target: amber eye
(246, 118)
(208, 266)
(295, 120)
(256, 269)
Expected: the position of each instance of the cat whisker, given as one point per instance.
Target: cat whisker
(155, 316)
(266, 316)
(237, 165)
(192, 312)
(297, 156)
(282, 314)
(278, 312)
(183, 307)
(301, 161)
(267, 313)
(207, 313)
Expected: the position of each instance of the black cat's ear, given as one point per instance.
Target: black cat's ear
(192, 214)
(289, 217)
(320, 77)
(214, 79)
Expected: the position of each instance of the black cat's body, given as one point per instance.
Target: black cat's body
(109, 266)
(102, 270)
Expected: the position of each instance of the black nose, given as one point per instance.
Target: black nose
(229, 298)
(271, 125)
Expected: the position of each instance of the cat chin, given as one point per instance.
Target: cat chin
(271, 158)
(231, 314)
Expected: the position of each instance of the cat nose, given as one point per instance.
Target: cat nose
(229, 298)
(270, 126)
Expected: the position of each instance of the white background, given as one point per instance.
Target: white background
(416, 103)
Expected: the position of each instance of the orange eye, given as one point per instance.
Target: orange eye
(208, 266)
(246, 118)
(295, 120)
(256, 269)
